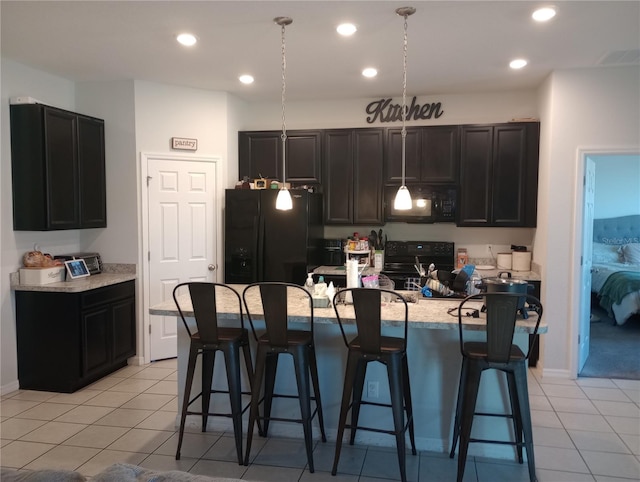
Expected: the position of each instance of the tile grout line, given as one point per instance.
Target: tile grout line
(199, 459)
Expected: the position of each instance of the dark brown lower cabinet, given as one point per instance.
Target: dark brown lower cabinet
(69, 340)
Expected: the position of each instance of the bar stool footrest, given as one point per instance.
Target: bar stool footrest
(500, 442)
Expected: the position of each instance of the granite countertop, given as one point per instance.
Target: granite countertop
(523, 275)
(426, 313)
(341, 271)
(112, 274)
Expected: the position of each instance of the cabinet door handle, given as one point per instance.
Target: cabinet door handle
(212, 267)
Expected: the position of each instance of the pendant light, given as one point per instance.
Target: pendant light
(283, 201)
(403, 201)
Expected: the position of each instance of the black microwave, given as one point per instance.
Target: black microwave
(429, 204)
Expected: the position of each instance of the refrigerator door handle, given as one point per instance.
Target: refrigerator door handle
(259, 255)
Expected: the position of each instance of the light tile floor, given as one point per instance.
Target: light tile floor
(584, 430)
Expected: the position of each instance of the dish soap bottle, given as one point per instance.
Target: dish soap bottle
(321, 288)
(308, 284)
(331, 292)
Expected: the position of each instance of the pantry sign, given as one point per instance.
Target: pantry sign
(184, 144)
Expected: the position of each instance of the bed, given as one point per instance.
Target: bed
(616, 266)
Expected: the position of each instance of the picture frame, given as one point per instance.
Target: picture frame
(77, 268)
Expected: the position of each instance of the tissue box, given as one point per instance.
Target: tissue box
(320, 302)
(42, 276)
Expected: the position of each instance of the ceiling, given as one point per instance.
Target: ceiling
(453, 46)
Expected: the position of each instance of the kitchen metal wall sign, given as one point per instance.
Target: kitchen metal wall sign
(184, 144)
(384, 111)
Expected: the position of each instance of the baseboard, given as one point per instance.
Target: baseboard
(10, 387)
(556, 373)
(136, 361)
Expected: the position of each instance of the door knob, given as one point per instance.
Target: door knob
(212, 267)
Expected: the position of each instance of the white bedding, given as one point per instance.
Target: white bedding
(630, 304)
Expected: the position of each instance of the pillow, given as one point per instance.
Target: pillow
(45, 475)
(605, 253)
(631, 253)
(120, 472)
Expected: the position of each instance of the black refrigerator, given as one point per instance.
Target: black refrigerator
(264, 244)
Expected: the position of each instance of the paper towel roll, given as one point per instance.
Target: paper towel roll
(521, 260)
(353, 278)
(503, 261)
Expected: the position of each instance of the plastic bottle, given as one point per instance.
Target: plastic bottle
(321, 288)
(308, 284)
(331, 292)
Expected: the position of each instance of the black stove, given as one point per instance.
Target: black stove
(400, 258)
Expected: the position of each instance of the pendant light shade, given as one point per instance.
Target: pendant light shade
(283, 201)
(403, 200)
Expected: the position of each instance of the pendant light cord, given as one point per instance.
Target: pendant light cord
(284, 125)
(404, 98)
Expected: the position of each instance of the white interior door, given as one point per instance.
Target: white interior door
(587, 250)
(182, 220)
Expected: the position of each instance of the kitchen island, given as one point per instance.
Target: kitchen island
(434, 364)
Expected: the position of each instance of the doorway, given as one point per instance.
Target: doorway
(180, 230)
(600, 206)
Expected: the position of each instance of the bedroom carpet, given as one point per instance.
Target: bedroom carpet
(613, 352)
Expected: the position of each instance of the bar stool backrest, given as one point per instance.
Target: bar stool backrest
(203, 301)
(501, 315)
(367, 304)
(274, 299)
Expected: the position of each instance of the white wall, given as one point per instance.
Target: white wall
(617, 186)
(114, 102)
(19, 80)
(458, 109)
(139, 117)
(166, 111)
(582, 110)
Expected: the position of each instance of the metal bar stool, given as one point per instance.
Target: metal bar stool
(370, 346)
(278, 339)
(207, 340)
(499, 353)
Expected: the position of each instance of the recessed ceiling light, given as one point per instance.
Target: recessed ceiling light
(517, 64)
(544, 14)
(346, 29)
(246, 79)
(186, 39)
(369, 72)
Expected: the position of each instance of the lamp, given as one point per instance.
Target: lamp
(283, 201)
(403, 201)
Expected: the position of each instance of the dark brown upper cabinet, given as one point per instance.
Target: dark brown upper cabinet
(431, 155)
(57, 169)
(260, 155)
(499, 175)
(353, 176)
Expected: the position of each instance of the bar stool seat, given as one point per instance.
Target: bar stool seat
(498, 352)
(369, 345)
(206, 341)
(280, 339)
